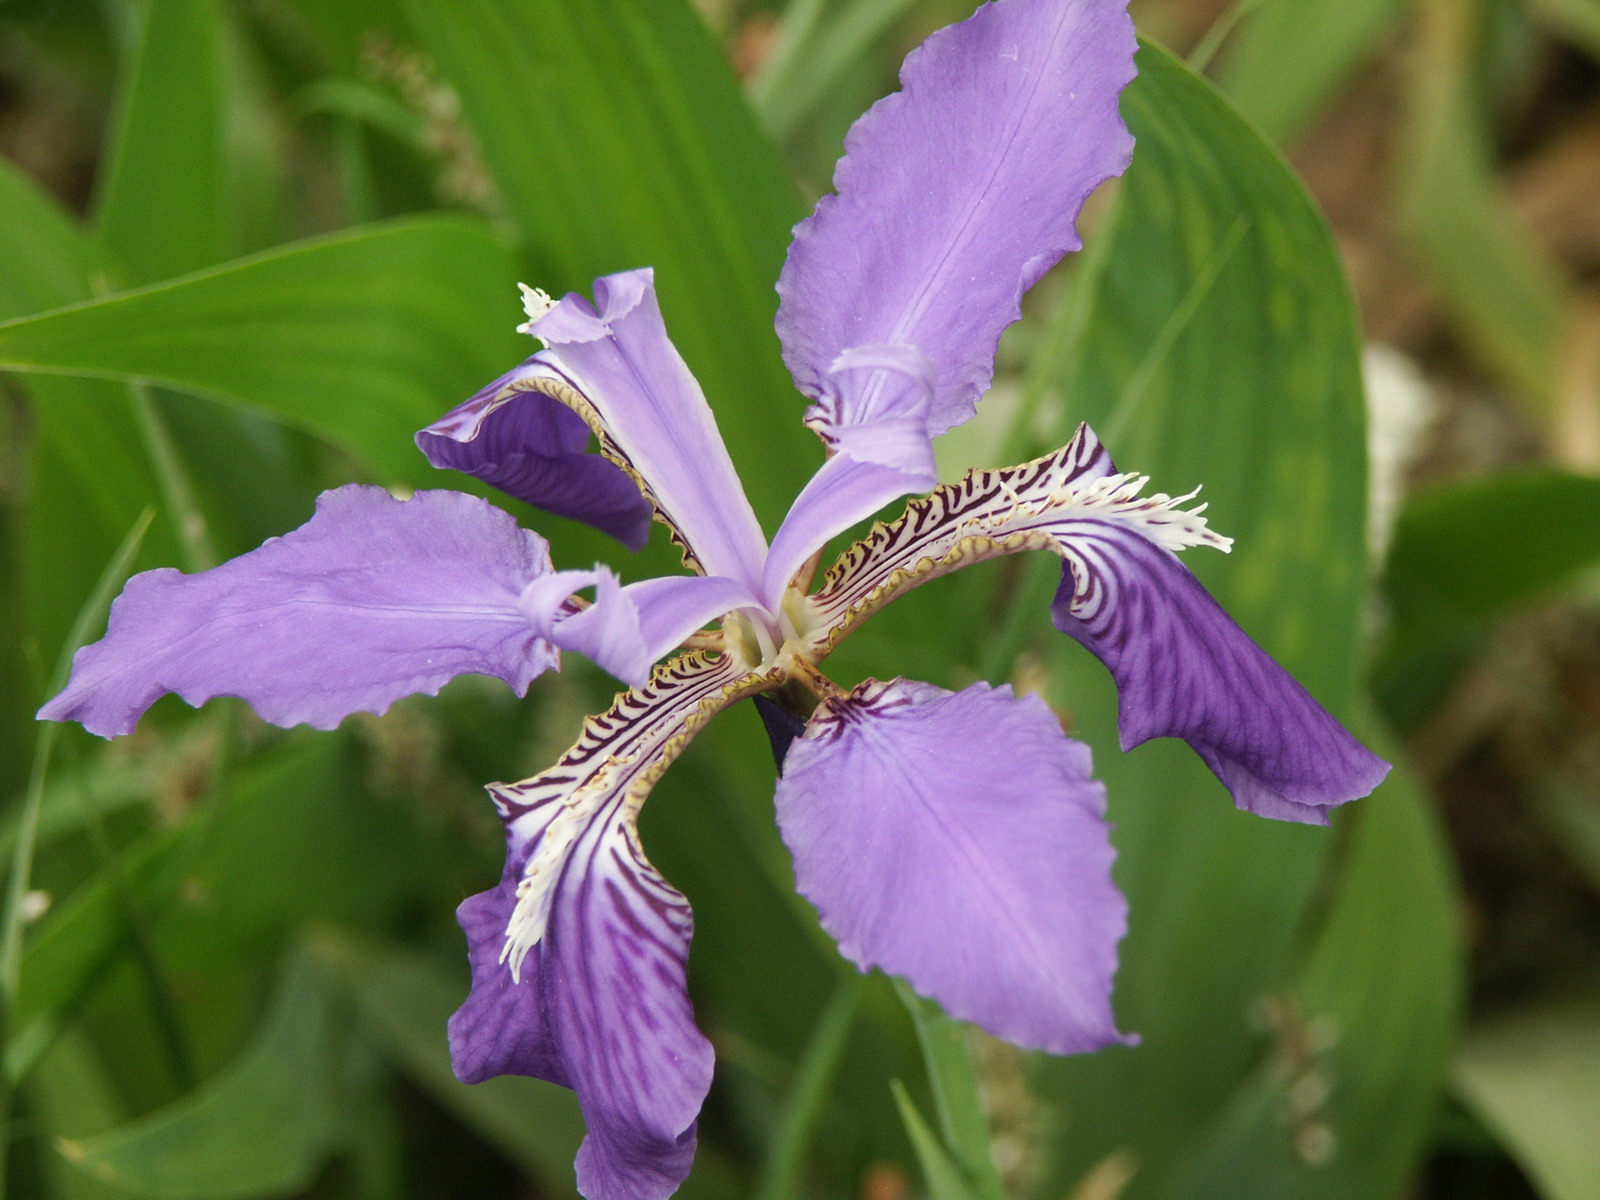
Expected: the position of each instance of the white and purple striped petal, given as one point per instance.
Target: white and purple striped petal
(372, 599)
(956, 839)
(634, 390)
(1185, 669)
(578, 954)
(1182, 666)
(954, 196)
(530, 445)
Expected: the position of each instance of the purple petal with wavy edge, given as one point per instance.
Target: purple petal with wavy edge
(656, 417)
(627, 629)
(531, 446)
(957, 839)
(580, 980)
(955, 195)
(1184, 668)
(372, 599)
(601, 1007)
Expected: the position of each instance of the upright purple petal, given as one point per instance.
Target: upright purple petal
(957, 839)
(1185, 669)
(372, 599)
(528, 444)
(954, 196)
(578, 955)
(636, 392)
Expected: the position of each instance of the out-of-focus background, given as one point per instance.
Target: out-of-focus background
(247, 248)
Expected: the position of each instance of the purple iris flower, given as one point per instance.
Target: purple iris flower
(954, 838)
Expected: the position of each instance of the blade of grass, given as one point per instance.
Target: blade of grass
(802, 1108)
(28, 824)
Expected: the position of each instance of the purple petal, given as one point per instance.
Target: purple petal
(580, 981)
(530, 445)
(653, 417)
(955, 195)
(843, 492)
(1184, 669)
(957, 839)
(370, 600)
(628, 628)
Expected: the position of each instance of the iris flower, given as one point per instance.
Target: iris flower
(953, 838)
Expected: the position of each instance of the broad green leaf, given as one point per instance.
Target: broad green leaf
(1481, 547)
(1346, 1101)
(167, 204)
(1218, 348)
(260, 1128)
(1289, 56)
(619, 139)
(1500, 288)
(74, 1096)
(361, 338)
(88, 480)
(1533, 1076)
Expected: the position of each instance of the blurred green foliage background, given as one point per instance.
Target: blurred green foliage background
(247, 248)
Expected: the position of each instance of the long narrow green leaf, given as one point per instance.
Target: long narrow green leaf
(1255, 394)
(940, 1173)
(167, 205)
(962, 1119)
(361, 338)
(1289, 57)
(261, 1128)
(1507, 298)
(619, 139)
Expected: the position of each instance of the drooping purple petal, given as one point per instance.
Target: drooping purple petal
(530, 445)
(957, 839)
(954, 196)
(1185, 669)
(372, 599)
(579, 979)
(629, 628)
(652, 417)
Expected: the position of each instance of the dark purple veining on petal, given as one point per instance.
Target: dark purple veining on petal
(957, 839)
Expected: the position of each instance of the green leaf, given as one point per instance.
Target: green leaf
(406, 999)
(939, 1172)
(946, 1053)
(1534, 1077)
(261, 1128)
(88, 481)
(1289, 57)
(619, 139)
(1218, 347)
(167, 204)
(1577, 20)
(361, 338)
(1501, 289)
(1479, 548)
(1346, 1101)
